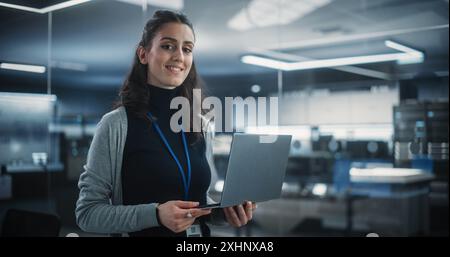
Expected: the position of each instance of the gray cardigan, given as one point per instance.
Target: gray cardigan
(99, 208)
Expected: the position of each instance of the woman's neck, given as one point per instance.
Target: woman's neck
(164, 87)
(160, 98)
(149, 82)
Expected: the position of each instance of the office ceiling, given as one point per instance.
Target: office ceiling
(93, 43)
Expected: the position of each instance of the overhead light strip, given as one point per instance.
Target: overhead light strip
(22, 67)
(407, 55)
(45, 9)
(27, 96)
(168, 4)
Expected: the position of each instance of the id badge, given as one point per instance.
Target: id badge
(194, 231)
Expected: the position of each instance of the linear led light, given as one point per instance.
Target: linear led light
(414, 55)
(407, 55)
(22, 67)
(27, 97)
(45, 9)
(170, 4)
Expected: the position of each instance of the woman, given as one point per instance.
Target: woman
(141, 177)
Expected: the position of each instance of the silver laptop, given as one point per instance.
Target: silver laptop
(255, 171)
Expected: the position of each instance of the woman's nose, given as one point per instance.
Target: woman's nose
(178, 55)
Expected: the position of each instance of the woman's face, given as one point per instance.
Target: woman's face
(170, 57)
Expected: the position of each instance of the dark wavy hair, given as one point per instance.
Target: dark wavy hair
(134, 93)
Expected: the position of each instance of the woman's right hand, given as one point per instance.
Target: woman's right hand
(174, 214)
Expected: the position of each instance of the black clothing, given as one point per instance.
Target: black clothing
(149, 172)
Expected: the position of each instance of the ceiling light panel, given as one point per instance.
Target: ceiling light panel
(265, 13)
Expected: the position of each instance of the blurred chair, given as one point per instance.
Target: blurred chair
(21, 223)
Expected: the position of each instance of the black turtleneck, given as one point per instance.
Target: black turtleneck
(149, 173)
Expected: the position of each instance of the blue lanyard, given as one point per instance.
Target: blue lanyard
(186, 183)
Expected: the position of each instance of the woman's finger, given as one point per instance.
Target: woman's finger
(183, 213)
(199, 212)
(227, 216)
(233, 216)
(249, 210)
(241, 213)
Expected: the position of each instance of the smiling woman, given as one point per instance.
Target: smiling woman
(141, 177)
(164, 58)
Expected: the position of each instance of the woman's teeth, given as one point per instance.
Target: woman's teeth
(173, 68)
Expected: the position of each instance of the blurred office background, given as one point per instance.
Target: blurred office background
(370, 137)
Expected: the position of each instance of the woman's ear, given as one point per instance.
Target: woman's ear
(142, 54)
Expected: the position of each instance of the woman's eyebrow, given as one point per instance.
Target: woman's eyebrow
(174, 40)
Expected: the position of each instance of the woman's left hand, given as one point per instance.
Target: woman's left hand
(239, 215)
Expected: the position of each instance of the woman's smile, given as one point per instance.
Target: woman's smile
(174, 69)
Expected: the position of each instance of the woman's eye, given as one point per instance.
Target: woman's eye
(187, 50)
(167, 47)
